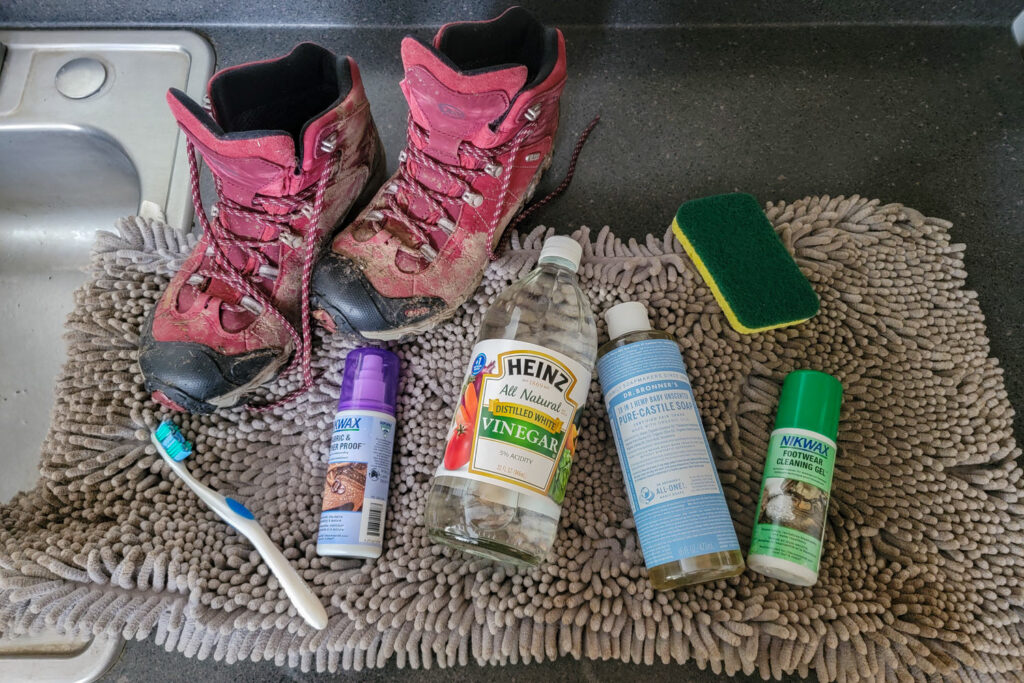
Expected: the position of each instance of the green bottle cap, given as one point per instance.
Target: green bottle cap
(810, 400)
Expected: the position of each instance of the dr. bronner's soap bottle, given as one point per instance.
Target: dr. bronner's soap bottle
(685, 530)
(499, 488)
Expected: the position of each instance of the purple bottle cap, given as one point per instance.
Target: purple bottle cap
(370, 381)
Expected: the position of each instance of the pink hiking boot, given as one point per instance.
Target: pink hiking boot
(292, 148)
(483, 103)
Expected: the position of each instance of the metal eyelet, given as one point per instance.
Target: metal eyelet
(307, 211)
(196, 280)
(293, 240)
(374, 216)
(391, 188)
(402, 156)
(494, 169)
(533, 112)
(214, 211)
(329, 143)
(447, 225)
(472, 198)
(428, 251)
(269, 272)
(251, 305)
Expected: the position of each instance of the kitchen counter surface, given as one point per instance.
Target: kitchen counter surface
(928, 115)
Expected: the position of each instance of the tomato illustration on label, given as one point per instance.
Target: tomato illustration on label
(460, 443)
(460, 436)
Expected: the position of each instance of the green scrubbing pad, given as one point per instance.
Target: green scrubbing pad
(744, 262)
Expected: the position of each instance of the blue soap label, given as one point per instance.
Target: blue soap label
(670, 476)
(358, 474)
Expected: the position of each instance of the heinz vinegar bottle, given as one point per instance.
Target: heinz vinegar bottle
(499, 488)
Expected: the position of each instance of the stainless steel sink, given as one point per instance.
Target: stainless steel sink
(85, 138)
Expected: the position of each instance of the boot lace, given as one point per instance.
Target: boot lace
(457, 179)
(308, 203)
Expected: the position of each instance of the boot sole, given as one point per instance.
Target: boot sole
(428, 323)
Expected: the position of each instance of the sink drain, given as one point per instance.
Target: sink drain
(81, 78)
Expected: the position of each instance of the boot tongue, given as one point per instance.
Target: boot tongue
(247, 166)
(453, 105)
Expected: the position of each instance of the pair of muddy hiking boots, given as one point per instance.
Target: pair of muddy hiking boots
(294, 154)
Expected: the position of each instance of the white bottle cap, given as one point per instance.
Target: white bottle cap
(778, 568)
(625, 318)
(564, 251)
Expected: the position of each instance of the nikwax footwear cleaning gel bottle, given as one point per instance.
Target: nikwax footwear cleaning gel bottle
(683, 521)
(787, 538)
(359, 464)
(498, 491)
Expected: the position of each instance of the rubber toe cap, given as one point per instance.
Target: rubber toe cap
(340, 288)
(195, 376)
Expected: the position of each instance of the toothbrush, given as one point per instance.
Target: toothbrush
(173, 447)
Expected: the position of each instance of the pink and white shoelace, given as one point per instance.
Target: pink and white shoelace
(459, 179)
(308, 203)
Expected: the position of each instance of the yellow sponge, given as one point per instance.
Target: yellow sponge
(754, 279)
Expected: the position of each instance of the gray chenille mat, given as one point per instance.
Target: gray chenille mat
(922, 569)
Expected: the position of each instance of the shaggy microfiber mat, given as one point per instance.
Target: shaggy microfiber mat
(922, 568)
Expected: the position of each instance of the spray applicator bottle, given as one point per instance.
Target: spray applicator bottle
(359, 464)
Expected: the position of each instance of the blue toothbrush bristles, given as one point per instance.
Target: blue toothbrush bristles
(173, 442)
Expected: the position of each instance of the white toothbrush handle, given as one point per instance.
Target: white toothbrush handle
(299, 592)
(238, 516)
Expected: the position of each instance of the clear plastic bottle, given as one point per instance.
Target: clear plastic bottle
(499, 489)
(673, 488)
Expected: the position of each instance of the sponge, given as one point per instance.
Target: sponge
(743, 261)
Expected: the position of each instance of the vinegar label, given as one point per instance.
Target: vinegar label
(517, 419)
